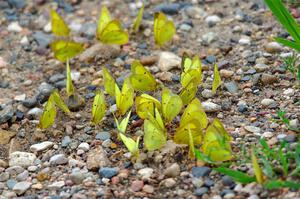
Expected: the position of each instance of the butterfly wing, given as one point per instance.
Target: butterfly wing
(130, 144)
(49, 114)
(141, 79)
(163, 29)
(99, 107)
(182, 133)
(171, 105)
(126, 98)
(109, 82)
(217, 79)
(114, 34)
(59, 102)
(188, 93)
(138, 20)
(64, 50)
(104, 19)
(146, 104)
(59, 27)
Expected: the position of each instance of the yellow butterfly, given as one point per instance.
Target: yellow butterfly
(188, 93)
(163, 29)
(99, 107)
(146, 104)
(138, 20)
(59, 27)
(171, 105)
(141, 79)
(191, 70)
(191, 145)
(217, 79)
(49, 114)
(64, 50)
(193, 121)
(123, 125)
(109, 82)
(124, 98)
(257, 170)
(110, 31)
(131, 145)
(216, 142)
(155, 134)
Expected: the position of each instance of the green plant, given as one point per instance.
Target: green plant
(292, 65)
(284, 120)
(276, 166)
(287, 21)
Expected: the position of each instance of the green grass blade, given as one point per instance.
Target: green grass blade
(288, 43)
(237, 176)
(285, 18)
(280, 184)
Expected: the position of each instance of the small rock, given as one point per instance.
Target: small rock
(35, 113)
(209, 37)
(198, 172)
(77, 177)
(231, 87)
(227, 181)
(253, 129)
(168, 61)
(195, 12)
(22, 176)
(146, 173)
(198, 182)
(245, 41)
(201, 191)
(5, 136)
(294, 123)
(172, 171)
(20, 97)
(58, 159)
(6, 114)
(165, 76)
(273, 47)
(108, 172)
(104, 135)
(4, 176)
(11, 183)
(267, 102)
(261, 67)
(56, 185)
(206, 93)
(75, 102)
(226, 73)
(169, 182)
(21, 187)
(290, 138)
(41, 146)
(212, 20)
(22, 159)
(267, 134)
(42, 39)
(289, 92)
(66, 141)
(170, 8)
(56, 78)
(210, 107)
(84, 146)
(97, 158)
(148, 189)
(99, 51)
(14, 27)
(268, 79)
(137, 185)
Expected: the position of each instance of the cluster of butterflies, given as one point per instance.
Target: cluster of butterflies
(156, 113)
(108, 32)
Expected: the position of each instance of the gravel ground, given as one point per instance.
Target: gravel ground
(75, 160)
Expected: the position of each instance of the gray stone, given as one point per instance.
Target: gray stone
(211, 107)
(198, 172)
(6, 114)
(231, 87)
(267, 102)
(108, 172)
(35, 113)
(172, 171)
(97, 158)
(212, 20)
(4, 176)
(58, 159)
(42, 39)
(104, 135)
(10, 183)
(168, 61)
(56, 78)
(253, 129)
(66, 141)
(41, 146)
(21, 187)
(201, 191)
(22, 159)
(22, 176)
(209, 37)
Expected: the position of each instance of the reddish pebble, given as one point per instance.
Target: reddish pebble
(115, 180)
(137, 185)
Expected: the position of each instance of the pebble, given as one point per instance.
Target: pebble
(185, 27)
(97, 158)
(42, 39)
(35, 113)
(84, 146)
(100, 51)
(198, 172)
(148, 189)
(289, 92)
(226, 73)
(22, 176)
(4, 176)
(253, 129)
(22, 159)
(168, 8)
(104, 135)
(201, 191)
(195, 12)
(56, 185)
(21, 187)
(268, 79)
(172, 171)
(58, 159)
(108, 172)
(294, 123)
(77, 177)
(168, 61)
(209, 37)
(146, 173)
(245, 41)
(211, 107)
(273, 47)
(14, 27)
(261, 67)
(56, 78)
(267, 134)
(206, 93)
(267, 102)
(66, 141)
(169, 182)
(231, 87)
(212, 20)
(137, 185)
(6, 114)
(41, 146)
(227, 181)
(10, 183)
(254, 196)
(198, 182)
